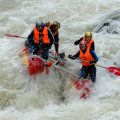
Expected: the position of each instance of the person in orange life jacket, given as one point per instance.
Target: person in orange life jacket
(54, 26)
(41, 38)
(88, 58)
(88, 39)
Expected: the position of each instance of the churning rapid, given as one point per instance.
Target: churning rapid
(38, 98)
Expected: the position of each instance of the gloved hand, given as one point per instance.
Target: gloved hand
(62, 55)
(27, 44)
(71, 57)
(77, 42)
(32, 48)
(92, 62)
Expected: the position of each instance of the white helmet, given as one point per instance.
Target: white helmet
(39, 24)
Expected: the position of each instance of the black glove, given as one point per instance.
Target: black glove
(62, 55)
(78, 41)
(71, 57)
(27, 44)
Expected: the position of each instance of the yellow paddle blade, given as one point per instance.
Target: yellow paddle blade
(23, 56)
(24, 60)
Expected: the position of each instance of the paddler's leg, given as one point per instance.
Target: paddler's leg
(93, 73)
(45, 54)
(36, 49)
(83, 72)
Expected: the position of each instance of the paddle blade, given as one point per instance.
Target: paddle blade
(24, 60)
(114, 70)
(80, 84)
(84, 86)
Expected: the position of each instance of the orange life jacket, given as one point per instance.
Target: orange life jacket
(86, 57)
(90, 42)
(41, 36)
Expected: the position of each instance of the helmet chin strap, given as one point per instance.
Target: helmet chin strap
(40, 30)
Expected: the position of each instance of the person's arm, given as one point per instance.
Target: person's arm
(78, 41)
(56, 42)
(94, 56)
(56, 37)
(51, 37)
(93, 46)
(30, 37)
(74, 56)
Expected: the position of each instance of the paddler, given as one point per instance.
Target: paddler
(54, 27)
(41, 39)
(88, 58)
(88, 38)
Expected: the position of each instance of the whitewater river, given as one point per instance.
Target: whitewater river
(38, 98)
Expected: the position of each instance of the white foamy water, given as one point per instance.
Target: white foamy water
(39, 98)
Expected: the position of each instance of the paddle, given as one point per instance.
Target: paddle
(55, 65)
(76, 82)
(13, 35)
(111, 69)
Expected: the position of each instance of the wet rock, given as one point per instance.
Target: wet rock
(111, 24)
(102, 27)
